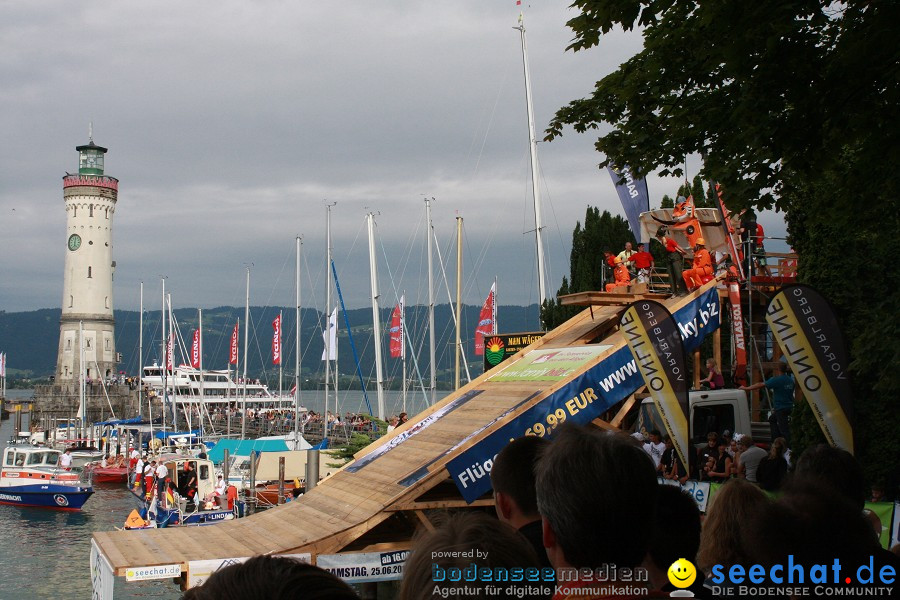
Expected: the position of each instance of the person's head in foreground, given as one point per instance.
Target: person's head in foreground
(449, 561)
(271, 578)
(596, 494)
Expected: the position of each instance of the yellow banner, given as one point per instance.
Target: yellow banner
(657, 379)
(808, 371)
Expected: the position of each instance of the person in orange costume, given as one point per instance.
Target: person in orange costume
(622, 277)
(702, 266)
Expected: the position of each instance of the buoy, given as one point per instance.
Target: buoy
(134, 521)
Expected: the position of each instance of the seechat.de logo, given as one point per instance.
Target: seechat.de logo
(797, 579)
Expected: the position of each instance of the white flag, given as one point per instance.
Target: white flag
(332, 327)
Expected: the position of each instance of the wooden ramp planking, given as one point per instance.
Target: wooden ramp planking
(348, 504)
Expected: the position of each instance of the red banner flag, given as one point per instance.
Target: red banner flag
(487, 321)
(396, 331)
(170, 353)
(232, 355)
(276, 341)
(195, 350)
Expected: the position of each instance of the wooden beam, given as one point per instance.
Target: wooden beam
(605, 298)
(623, 411)
(604, 425)
(717, 339)
(387, 547)
(697, 369)
(424, 520)
(439, 504)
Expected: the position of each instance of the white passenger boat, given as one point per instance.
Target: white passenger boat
(217, 387)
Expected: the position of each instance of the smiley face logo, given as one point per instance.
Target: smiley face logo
(682, 573)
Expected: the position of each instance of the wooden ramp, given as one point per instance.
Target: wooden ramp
(376, 502)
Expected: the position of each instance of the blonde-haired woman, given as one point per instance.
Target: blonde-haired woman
(723, 540)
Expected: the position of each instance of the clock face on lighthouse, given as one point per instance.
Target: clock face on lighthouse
(74, 242)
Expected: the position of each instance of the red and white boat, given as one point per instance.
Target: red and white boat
(109, 474)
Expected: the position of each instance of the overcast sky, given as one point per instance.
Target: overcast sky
(230, 125)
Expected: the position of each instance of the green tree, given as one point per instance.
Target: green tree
(600, 232)
(793, 104)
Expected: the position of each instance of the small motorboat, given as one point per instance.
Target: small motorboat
(108, 474)
(188, 499)
(32, 476)
(267, 494)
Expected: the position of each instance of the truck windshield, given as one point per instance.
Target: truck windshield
(717, 417)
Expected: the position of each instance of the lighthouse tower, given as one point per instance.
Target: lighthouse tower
(87, 303)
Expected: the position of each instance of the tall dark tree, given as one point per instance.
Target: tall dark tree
(794, 105)
(600, 232)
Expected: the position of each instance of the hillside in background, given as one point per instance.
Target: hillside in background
(30, 340)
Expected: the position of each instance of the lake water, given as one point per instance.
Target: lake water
(46, 553)
(353, 401)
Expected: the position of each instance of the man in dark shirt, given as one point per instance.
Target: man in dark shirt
(188, 480)
(512, 477)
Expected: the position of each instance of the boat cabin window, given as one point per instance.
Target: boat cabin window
(203, 471)
(20, 459)
(35, 458)
(9, 457)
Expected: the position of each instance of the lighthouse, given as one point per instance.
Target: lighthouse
(87, 303)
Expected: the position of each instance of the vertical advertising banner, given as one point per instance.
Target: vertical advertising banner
(233, 353)
(276, 341)
(805, 327)
(654, 341)
(396, 331)
(729, 232)
(329, 337)
(195, 349)
(170, 353)
(633, 194)
(487, 320)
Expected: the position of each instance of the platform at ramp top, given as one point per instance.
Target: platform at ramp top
(376, 502)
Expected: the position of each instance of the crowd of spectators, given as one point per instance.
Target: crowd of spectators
(585, 514)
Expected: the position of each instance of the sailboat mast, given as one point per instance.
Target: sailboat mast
(82, 408)
(297, 355)
(403, 344)
(174, 379)
(376, 318)
(327, 314)
(280, 361)
(165, 355)
(532, 142)
(246, 336)
(201, 407)
(459, 221)
(141, 356)
(431, 342)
